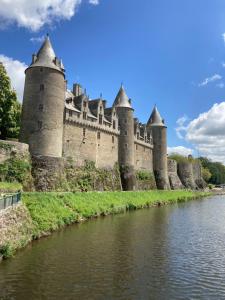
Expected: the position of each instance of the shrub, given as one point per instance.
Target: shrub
(144, 175)
(15, 169)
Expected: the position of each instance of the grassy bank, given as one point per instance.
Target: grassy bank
(42, 213)
(50, 211)
(10, 187)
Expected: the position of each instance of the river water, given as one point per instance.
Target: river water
(172, 252)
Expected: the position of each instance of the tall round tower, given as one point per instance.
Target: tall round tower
(43, 103)
(159, 134)
(126, 139)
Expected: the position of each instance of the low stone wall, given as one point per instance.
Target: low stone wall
(58, 174)
(16, 229)
(9, 149)
(175, 182)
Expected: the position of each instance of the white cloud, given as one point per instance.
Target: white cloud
(223, 64)
(223, 36)
(207, 133)
(35, 14)
(181, 128)
(180, 150)
(15, 70)
(210, 79)
(37, 39)
(94, 2)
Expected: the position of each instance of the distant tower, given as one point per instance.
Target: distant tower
(159, 134)
(126, 139)
(43, 103)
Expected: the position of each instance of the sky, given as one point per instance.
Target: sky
(168, 53)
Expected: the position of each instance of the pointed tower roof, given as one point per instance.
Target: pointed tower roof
(46, 57)
(155, 118)
(122, 99)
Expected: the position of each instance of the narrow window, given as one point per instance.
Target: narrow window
(125, 121)
(84, 115)
(126, 146)
(113, 139)
(98, 135)
(136, 147)
(70, 113)
(125, 132)
(84, 132)
(114, 124)
(100, 108)
(85, 104)
(42, 87)
(41, 107)
(41, 69)
(39, 124)
(100, 119)
(138, 135)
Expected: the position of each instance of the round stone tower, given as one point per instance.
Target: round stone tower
(159, 135)
(43, 103)
(126, 139)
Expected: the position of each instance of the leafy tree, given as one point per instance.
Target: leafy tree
(206, 174)
(216, 169)
(10, 108)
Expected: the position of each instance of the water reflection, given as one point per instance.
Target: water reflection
(173, 252)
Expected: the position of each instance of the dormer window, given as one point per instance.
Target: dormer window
(85, 104)
(100, 108)
(114, 124)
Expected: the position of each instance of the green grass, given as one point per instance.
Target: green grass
(50, 211)
(10, 187)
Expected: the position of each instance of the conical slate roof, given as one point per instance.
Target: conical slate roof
(155, 118)
(46, 57)
(122, 99)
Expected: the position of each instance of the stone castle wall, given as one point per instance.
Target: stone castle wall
(143, 159)
(83, 143)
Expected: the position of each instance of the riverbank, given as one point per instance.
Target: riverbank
(51, 211)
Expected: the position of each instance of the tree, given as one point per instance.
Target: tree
(10, 108)
(206, 174)
(216, 169)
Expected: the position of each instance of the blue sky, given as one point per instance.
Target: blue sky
(166, 52)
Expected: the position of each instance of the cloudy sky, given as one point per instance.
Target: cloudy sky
(169, 53)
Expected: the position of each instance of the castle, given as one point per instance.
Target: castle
(60, 123)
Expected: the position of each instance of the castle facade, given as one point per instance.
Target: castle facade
(57, 122)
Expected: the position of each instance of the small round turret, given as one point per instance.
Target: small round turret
(126, 139)
(159, 134)
(43, 103)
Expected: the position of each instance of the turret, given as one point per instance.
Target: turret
(125, 111)
(159, 134)
(43, 103)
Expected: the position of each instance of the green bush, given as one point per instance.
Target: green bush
(14, 169)
(144, 175)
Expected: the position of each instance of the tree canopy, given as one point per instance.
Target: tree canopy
(216, 169)
(10, 108)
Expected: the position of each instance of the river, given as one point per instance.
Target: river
(171, 252)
